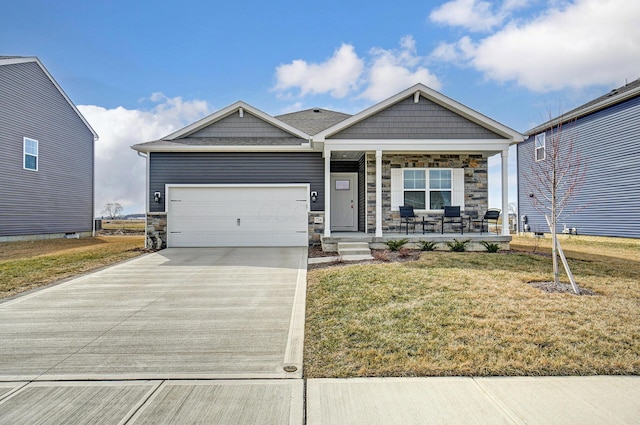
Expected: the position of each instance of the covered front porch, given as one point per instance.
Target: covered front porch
(364, 189)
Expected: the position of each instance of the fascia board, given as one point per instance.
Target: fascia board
(224, 112)
(434, 96)
(147, 149)
(430, 145)
(606, 103)
(13, 61)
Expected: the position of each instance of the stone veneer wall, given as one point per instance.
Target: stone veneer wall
(156, 230)
(316, 230)
(476, 186)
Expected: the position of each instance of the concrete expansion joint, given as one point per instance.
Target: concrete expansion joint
(504, 409)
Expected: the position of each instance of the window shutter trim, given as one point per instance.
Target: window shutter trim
(457, 195)
(397, 197)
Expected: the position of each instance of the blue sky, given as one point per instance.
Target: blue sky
(139, 70)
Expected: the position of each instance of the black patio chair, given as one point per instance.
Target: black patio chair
(407, 216)
(452, 215)
(492, 214)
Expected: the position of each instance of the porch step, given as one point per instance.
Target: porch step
(353, 251)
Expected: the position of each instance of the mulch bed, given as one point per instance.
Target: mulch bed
(551, 287)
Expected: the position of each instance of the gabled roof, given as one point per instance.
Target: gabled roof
(13, 60)
(434, 96)
(231, 109)
(615, 96)
(314, 120)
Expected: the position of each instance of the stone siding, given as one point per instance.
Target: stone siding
(316, 230)
(156, 231)
(476, 187)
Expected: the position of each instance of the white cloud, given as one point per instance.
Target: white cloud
(120, 172)
(459, 52)
(392, 71)
(345, 73)
(337, 76)
(586, 42)
(474, 15)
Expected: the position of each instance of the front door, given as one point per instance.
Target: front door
(344, 202)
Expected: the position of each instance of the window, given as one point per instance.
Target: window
(540, 147)
(427, 189)
(30, 148)
(414, 185)
(439, 189)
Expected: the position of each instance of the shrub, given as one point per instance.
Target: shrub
(396, 245)
(404, 252)
(380, 255)
(427, 245)
(490, 247)
(458, 246)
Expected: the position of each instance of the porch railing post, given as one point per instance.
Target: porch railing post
(327, 193)
(505, 192)
(378, 193)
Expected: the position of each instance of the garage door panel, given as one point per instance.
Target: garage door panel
(237, 216)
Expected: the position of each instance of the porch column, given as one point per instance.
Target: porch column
(327, 193)
(505, 192)
(378, 194)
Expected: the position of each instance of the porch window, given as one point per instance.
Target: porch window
(427, 188)
(540, 147)
(414, 184)
(439, 189)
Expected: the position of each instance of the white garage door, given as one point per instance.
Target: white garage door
(206, 216)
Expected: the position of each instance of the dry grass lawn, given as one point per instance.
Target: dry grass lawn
(30, 264)
(474, 314)
(131, 225)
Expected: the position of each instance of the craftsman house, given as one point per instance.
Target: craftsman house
(241, 177)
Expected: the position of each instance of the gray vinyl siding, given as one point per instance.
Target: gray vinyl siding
(58, 198)
(235, 168)
(609, 145)
(247, 126)
(409, 120)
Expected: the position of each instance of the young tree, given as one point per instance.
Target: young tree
(112, 210)
(556, 176)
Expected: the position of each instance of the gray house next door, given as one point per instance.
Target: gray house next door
(344, 202)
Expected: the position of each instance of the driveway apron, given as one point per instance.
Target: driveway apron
(182, 327)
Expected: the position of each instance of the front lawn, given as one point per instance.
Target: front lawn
(30, 264)
(475, 314)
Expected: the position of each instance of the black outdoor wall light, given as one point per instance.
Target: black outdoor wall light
(157, 197)
(314, 196)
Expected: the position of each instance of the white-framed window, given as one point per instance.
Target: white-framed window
(427, 189)
(30, 149)
(540, 146)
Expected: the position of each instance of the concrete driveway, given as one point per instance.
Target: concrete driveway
(179, 314)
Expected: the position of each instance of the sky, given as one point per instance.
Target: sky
(139, 70)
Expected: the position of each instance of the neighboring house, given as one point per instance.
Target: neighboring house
(606, 134)
(241, 177)
(47, 161)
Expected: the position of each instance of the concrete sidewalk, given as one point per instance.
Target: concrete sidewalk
(460, 400)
